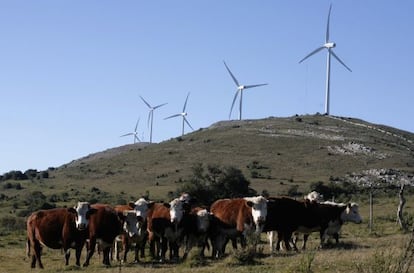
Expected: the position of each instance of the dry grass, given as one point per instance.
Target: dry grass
(353, 253)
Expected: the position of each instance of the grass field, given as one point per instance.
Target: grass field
(359, 251)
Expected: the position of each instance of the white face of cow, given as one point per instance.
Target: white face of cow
(176, 210)
(203, 220)
(141, 207)
(351, 214)
(259, 210)
(82, 215)
(130, 222)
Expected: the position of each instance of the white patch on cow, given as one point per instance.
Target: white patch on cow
(259, 210)
(130, 223)
(81, 209)
(314, 196)
(176, 210)
(350, 214)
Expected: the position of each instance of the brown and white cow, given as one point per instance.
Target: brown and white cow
(60, 228)
(166, 227)
(236, 218)
(129, 236)
(104, 225)
(141, 208)
(197, 227)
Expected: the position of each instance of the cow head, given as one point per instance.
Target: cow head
(131, 224)
(351, 214)
(141, 207)
(177, 210)
(259, 210)
(314, 196)
(82, 213)
(203, 220)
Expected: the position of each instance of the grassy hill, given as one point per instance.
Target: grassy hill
(274, 154)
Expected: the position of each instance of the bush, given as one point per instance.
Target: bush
(215, 182)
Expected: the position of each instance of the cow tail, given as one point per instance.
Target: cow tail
(28, 247)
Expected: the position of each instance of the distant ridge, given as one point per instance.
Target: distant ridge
(273, 153)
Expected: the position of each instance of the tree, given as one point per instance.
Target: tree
(216, 182)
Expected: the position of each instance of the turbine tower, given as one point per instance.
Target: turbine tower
(151, 115)
(240, 89)
(183, 114)
(329, 46)
(134, 133)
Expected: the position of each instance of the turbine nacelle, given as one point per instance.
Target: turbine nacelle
(241, 87)
(330, 45)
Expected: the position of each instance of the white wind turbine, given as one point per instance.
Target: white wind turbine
(134, 133)
(183, 114)
(151, 114)
(240, 89)
(329, 46)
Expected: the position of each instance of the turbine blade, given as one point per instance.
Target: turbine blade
(136, 126)
(137, 138)
(254, 85)
(129, 134)
(149, 118)
(234, 100)
(327, 25)
(231, 74)
(339, 60)
(149, 106)
(186, 121)
(313, 52)
(158, 106)
(185, 104)
(173, 116)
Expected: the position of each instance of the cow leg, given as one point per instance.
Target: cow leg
(305, 239)
(67, 255)
(287, 236)
(106, 251)
(37, 253)
(336, 237)
(163, 248)
(90, 251)
(78, 252)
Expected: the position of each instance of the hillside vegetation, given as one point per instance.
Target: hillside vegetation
(278, 155)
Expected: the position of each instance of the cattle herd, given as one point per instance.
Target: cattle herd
(168, 226)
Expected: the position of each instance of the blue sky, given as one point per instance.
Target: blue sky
(71, 72)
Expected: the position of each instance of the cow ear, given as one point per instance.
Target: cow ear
(131, 205)
(90, 212)
(72, 210)
(150, 204)
(250, 203)
(167, 205)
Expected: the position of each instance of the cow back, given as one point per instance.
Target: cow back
(233, 213)
(50, 226)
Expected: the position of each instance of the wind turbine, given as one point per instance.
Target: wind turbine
(151, 114)
(240, 89)
(183, 114)
(329, 46)
(134, 133)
